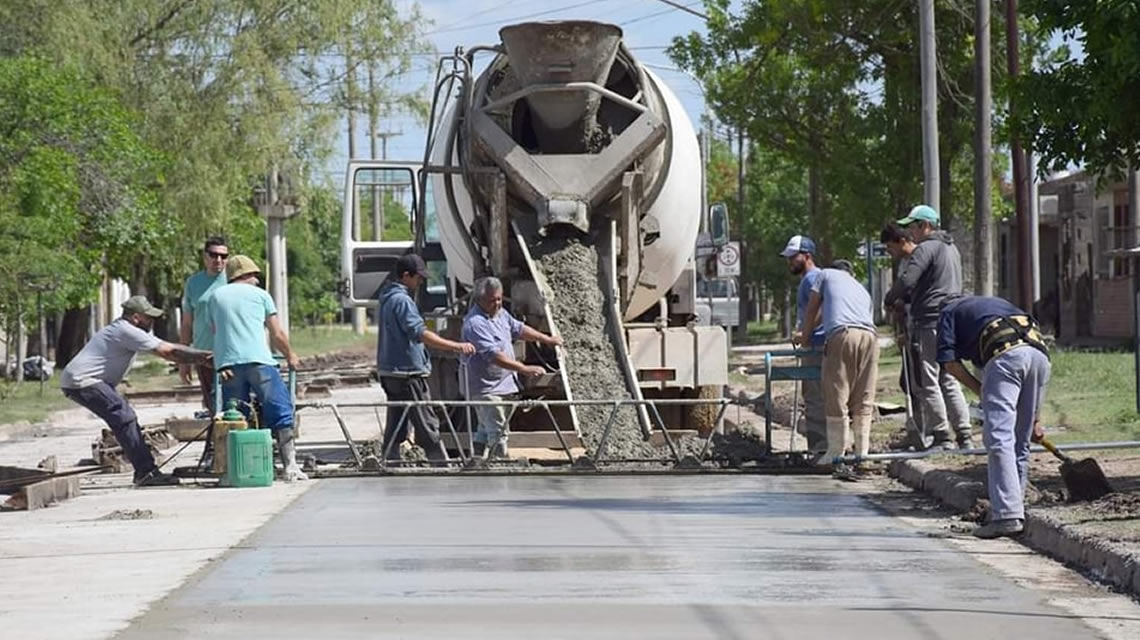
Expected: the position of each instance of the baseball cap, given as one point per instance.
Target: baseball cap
(798, 244)
(843, 265)
(139, 304)
(239, 266)
(921, 213)
(411, 263)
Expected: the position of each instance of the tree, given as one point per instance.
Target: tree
(1081, 109)
(76, 187)
(224, 88)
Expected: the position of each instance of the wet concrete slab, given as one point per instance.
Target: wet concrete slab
(596, 557)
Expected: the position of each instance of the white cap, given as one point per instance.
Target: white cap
(798, 244)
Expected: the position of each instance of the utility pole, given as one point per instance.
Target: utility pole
(377, 194)
(983, 150)
(1020, 190)
(373, 136)
(927, 53)
(742, 291)
(276, 210)
(359, 319)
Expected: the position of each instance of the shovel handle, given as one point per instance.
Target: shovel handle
(1052, 448)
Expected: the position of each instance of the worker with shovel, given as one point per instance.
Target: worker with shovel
(1006, 345)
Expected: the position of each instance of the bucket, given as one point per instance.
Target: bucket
(249, 458)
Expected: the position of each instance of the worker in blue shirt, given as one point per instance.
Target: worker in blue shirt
(800, 254)
(1006, 345)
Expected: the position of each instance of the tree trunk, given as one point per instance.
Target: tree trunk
(21, 343)
(72, 335)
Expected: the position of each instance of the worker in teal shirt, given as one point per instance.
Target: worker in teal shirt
(197, 334)
(240, 313)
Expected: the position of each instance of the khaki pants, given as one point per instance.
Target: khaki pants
(814, 422)
(850, 370)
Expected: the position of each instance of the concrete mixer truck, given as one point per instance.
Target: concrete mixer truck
(571, 172)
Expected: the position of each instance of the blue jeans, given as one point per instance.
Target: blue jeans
(1013, 387)
(265, 382)
(102, 400)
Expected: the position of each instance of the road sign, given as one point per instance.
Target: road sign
(728, 260)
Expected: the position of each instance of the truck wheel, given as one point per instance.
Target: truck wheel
(702, 417)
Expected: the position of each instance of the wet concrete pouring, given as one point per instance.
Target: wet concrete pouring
(571, 267)
(590, 557)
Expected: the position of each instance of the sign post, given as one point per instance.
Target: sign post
(728, 260)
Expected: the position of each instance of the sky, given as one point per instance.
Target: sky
(648, 25)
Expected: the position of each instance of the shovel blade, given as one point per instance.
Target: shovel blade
(1085, 480)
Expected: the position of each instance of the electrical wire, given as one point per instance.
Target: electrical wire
(514, 19)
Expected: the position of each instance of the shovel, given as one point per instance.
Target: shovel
(921, 441)
(1084, 479)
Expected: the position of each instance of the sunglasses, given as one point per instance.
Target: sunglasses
(217, 256)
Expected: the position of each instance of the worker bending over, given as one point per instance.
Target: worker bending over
(92, 375)
(1006, 345)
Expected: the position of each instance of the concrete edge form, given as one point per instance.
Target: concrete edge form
(1098, 558)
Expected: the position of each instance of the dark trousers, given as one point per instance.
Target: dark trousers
(102, 400)
(206, 384)
(423, 419)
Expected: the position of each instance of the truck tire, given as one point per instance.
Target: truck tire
(702, 417)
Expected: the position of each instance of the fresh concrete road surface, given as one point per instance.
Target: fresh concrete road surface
(604, 557)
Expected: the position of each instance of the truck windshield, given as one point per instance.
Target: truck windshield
(716, 288)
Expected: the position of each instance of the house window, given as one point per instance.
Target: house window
(1122, 232)
(1103, 265)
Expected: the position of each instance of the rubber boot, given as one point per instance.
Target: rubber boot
(288, 445)
(862, 428)
(836, 440)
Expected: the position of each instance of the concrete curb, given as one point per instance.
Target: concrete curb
(1100, 558)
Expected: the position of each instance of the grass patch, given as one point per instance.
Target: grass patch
(310, 341)
(764, 332)
(23, 402)
(1092, 396)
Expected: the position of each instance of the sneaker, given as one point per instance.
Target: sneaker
(846, 472)
(965, 441)
(156, 478)
(1000, 528)
(293, 473)
(944, 443)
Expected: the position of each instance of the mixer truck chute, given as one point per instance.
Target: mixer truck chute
(571, 172)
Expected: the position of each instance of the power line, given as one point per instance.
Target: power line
(476, 14)
(671, 9)
(685, 8)
(515, 19)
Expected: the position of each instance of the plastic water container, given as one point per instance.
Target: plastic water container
(249, 458)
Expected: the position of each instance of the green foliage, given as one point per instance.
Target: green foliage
(75, 186)
(1083, 110)
(223, 89)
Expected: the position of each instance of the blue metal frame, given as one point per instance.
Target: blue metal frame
(797, 373)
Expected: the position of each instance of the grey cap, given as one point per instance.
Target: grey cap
(139, 304)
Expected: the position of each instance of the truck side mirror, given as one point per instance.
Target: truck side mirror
(718, 224)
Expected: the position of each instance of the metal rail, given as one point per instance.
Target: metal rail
(679, 460)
